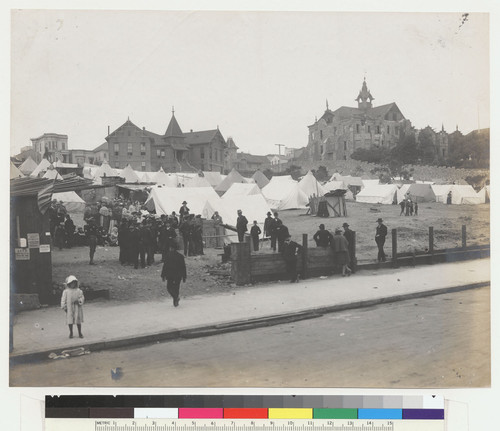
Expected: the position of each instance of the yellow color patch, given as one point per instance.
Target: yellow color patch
(290, 413)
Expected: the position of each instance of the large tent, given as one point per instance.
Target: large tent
(464, 194)
(162, 178)
(164, 200)
(72, 202)
(197, 181)
(441, 191)
(260, 179)
(214, 178)
(253, 207)
(310, 186)
(484, 194)
(283, 193)
(52, 174)
(369, 183)
(402, 190)
(15, 172)
(103, 171)
(130, 176)
(378, 194)
(42, 167)
(240, 189)
(28, 166)
(421, 193)
(233, 177)
(333, 185)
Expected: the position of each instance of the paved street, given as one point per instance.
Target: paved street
(438, 341)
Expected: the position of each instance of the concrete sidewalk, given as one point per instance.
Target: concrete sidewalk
(110, 325)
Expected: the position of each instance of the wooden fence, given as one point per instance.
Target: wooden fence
(313, 262)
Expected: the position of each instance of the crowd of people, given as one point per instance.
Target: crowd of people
(408, 207)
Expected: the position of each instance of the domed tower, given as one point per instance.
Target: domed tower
(364, 98)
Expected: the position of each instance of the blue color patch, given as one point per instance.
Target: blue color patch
(380, 413)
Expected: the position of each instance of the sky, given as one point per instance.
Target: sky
(261, 77)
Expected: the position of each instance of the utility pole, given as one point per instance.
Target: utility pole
(279, 158)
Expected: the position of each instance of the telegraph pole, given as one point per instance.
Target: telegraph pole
(279, 158)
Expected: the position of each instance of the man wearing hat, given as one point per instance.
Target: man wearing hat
(183, 211)
(350, 237)
(322, 237)
(92, 232)
(173, 271)
(380, 235)
(267, 224)
(241, 226)
(289, 251)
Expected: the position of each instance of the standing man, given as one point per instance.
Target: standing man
(267, 225)
(289, 251)
(183, 212)
(241, 226)
(185, 229)
(350, 237)
(380, 235)
(416, 208)
(283, 233)
(254, 233)
(402, 204)
(173, 271)
(449, 198)
(69, 228)
(92, 233)
(322, 237)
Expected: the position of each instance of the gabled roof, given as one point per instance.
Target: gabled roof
(127, 123)
(102, 147)
(173, 128)
(382, 110)
(250, 158)
(230, 143)
(201, 137)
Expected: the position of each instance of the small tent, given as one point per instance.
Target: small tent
(103, 171)
(233, 177)
(52, 174)
(310, 186)
(162, 178)
(402, 190)
(441, 191)
(368, 183)
(15, 172)
(164, 200)
(72, 202)
(42, 167)
(378, 194)
(260, 179)
(240, 189)
(421, 193)
(130, 176)
(214, 178)
(28, 166)
(484, 194)
(197, 181)
(283, 193)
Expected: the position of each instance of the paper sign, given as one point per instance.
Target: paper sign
(22, 242)
(33, 240)
(44, 248)
(22, 253)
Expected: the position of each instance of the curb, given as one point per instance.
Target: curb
(235, 326)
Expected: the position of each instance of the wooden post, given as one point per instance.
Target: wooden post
(354, 263)
(304, 256)
(394, 246)
(464, 236)
(431, 240)
(240, 262)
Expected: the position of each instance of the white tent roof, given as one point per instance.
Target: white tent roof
(15, 172)
(260, 179)
(214, 178)
(334, 185)
(59, 164)
(402, 191)
(464, 194)
(233, 177)
(89, 171)
(310, 186)
(71, 201)
(253, 207)
(167, 199)
(162, 178)
(378, 194)
(347, 179)
(42, 167)
(103, 171)
(241, 189)
(283, 193)
(52, 174)
(28, 166)
(441, 191)
(197, 181)
(368, 183)
(130, 176)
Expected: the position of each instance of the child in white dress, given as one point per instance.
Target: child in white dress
(72, 303)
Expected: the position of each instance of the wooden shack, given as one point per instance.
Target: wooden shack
(332, 204)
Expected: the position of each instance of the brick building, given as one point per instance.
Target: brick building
(174, 151)
(337, 134)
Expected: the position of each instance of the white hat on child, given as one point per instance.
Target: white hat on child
(70, 278)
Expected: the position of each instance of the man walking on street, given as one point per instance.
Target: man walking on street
(380, 235)
(289, 252)
(173, 271)
(241, 226)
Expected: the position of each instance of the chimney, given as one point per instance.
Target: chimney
(108, 130)
(143, 128)
(191, 130)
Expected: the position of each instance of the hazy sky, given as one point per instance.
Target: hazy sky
(262, 77)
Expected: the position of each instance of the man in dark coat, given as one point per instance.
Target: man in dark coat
(283, 233)
(92, 232)
(183, 212)
(350, 237)
(69, 227)
(241, 226)
(380, 235)
(173, 271)
(322, 237)
(254, 233)
(185, 229)
(123, 241)
(134, 243)
(267, 225)
(289, 251)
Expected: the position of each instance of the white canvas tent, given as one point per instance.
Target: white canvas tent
(402, 192)
(484, 194)
(28, 166)
(52, 174)
(464, 195)
(214, 178)
(240, 189)
(310, 186)
(59, 164)
(72, 202)
(368, 183)
(260, 179)
(378, 194)
(42, 167)
(253, 207)
(233, 177)
(15, 172)
(197, 181)
(103, 171)
(164, 200)
(283, 193)
(130, 176)
(441, 191)
(162, 178)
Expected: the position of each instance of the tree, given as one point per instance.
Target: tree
(293, 170)
(268, 173)
(426, 146)
(371, 155)
(321, 174)
(406, 151)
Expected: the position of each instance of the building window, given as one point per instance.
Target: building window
(357, 128)
(104, 156)
(397, 130)
(335, 130)
(162, 154)
(321, 134)
(129, 150)
(443, 152)
(117, 165)
(143, 148)
(158, 153)
(345, 145)
(202, 153)
(143, 166)
(369, 129)
(378, 130)
(388, 129)
(117, 149)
